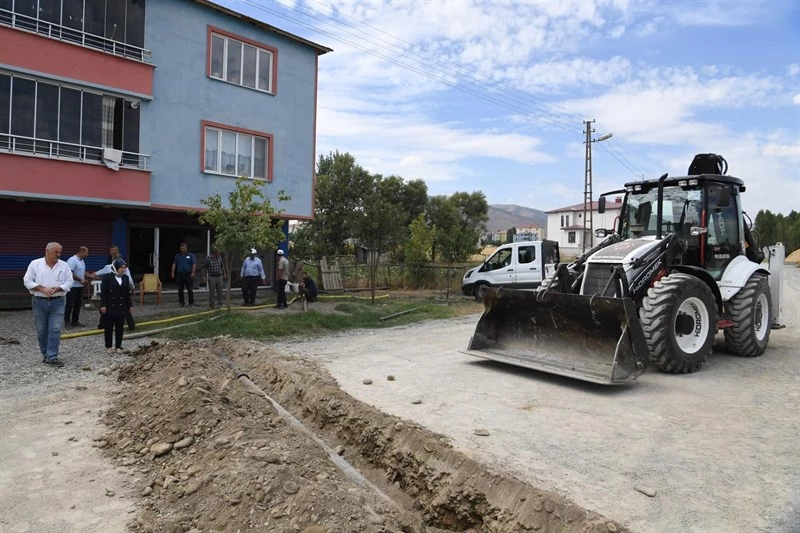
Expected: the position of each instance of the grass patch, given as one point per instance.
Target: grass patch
(329, 317)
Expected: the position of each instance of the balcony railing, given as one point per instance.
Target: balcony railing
(63, 151)
(71, 35)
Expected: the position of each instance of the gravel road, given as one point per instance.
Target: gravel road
(719, 447)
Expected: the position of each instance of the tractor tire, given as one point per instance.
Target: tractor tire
(679, 318)
(750, 310)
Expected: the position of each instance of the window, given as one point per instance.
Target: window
(242, 62)
(59, 121)
(102, 24)
(571, 237)
(562, 221)
(236, 153)
(527, 254)
(567, 220)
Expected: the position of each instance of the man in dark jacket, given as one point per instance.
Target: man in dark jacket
(308, 288)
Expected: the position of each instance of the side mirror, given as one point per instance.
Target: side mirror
(601, 206)
(601, 233)
(694, 231)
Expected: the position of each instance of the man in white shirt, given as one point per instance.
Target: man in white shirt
(49, 279)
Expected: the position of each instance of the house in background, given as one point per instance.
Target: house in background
(530, 233)
(117, 117)
(565, 225)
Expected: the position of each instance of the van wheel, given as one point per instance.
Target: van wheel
(476, 291)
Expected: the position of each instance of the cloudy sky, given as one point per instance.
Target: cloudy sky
(491, 95)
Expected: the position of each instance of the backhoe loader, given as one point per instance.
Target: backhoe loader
(679, 264)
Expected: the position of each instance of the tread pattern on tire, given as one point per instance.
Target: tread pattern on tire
(657, 317)
(741, 338)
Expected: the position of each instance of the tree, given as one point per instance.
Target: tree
(244, 223)
(340, 188)
(417, 250)
(510, 234)
(377, 229)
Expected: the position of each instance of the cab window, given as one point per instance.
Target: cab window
(501, 258)
(526, 254)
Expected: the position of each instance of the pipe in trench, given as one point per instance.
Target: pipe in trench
(347, 469)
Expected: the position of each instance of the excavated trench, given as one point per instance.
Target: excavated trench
(212, 452)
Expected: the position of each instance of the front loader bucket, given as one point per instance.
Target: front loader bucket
(592, 338)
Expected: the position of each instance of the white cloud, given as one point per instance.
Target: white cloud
(796, 99)
(793, 69)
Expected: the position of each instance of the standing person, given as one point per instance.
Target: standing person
(308, 288)
(252, 270)
(49, 279)
(283, 278)
(109, 269)
(115, 303)
(214, 274)
(72, 312)
(113, 253)
(183, 268)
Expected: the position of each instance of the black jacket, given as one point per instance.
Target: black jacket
(114, 297)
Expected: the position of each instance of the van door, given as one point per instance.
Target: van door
(499, 268)
(529, 269)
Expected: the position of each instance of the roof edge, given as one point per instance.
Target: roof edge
(263, 25)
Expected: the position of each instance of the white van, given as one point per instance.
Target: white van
(517, 265)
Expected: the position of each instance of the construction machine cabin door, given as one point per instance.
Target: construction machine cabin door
(724, 239)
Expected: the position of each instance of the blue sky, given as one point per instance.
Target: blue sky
(491, 95)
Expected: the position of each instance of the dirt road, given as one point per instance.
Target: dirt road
(719, 447)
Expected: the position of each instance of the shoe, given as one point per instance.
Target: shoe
(78, 325)
(109, 351)
(54, 362)
(119, 350)
(67, 325)
(183, 305)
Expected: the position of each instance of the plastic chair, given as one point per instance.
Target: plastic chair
(150, 283)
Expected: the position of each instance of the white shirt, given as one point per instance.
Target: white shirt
(40, 273)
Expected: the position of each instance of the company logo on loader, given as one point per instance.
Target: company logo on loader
(698, 320)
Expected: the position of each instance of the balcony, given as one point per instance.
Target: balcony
(31, 146)
(71, 35)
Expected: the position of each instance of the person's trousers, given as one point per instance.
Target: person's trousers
(282, 292)
(113, 326)
(215, 286)
(249, 289)
(310, 297)
(72, 311)
(185, 280)
(48, 315)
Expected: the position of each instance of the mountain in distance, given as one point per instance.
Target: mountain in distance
(505, 216)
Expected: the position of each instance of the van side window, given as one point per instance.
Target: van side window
(527, 254)
(501, 258)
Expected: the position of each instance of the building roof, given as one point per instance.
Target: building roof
(264, 26)
(579, 207)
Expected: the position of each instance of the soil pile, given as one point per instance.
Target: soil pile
(794, 257)
(211, 454)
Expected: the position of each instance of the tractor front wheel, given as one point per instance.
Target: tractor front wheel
(750, 311)
(679, 318)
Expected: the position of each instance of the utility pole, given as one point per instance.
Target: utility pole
(588, 227)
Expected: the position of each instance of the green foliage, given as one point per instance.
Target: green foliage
(351, 314)
(244, 221)
(510, 234)
(771, 228)
(459, 220)
(377, 229)
(341, 187)
(417, 250)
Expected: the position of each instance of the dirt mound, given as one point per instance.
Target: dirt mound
(211, 454)
(794, 257)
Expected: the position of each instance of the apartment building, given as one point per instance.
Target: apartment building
(119, 116)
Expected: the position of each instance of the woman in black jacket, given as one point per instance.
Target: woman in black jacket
(115, 302)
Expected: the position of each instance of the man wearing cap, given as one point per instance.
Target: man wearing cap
(49, 279)
(252, 270)
(283, 278)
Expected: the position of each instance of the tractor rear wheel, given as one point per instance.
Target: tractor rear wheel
(679, 318)
(750, 310)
